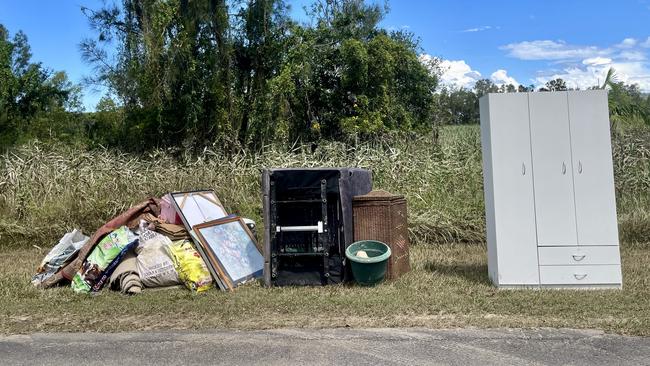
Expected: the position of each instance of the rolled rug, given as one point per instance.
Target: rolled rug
(125, 278)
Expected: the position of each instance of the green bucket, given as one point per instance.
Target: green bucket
(371, 270)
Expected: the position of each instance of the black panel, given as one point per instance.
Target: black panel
(303, 197)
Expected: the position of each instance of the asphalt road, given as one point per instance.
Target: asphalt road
(329, 347)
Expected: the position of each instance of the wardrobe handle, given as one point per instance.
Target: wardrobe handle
(523, 168)
(580, 276)
(563, 168)
(578, 258)
(579, 167)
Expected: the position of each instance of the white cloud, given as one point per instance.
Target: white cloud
(458, 73)
(594, 75)
(646, 43)
(631, 55)
(634, 73)
(586, 66)
(576, 77)
(477, 29)
(551, 50)
(500, 77)
(596, 61)
(627, 43)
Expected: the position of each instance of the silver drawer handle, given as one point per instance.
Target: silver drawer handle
(579, 167)
(578, 258)
(563, 168)
(580, 276)
(523, 168)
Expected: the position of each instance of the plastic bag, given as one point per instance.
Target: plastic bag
(103, 259)
(168, 212)
(190, 266)
(154, 265)
(62, 252)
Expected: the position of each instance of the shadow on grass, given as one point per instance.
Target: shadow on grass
(477, 273)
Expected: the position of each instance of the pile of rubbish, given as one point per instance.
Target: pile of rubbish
(313, 218)
(182, 239)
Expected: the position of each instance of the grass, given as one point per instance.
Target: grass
(448, 287)
(47, 190)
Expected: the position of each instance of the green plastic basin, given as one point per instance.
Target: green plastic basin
(368, 271)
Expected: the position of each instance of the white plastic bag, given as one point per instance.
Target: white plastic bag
(64, 251)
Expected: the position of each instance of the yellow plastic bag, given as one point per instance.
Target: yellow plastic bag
(190, 266)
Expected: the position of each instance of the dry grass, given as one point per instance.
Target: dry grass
(45, 191)
(448, 287)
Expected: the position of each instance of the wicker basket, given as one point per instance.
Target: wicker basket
(382, 216)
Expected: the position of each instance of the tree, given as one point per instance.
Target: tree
(346, 76)
(103, 125)
(457, 106)
(555, 85)
(172, 72)
(202, 73)
(34, 101)
(485, 86)
(526, 89)
(261, 33)
(626, 103)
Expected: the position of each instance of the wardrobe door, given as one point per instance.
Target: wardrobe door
(593, 168)
(509, 202)
(553, 181)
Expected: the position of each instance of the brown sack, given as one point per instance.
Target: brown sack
(130, 218)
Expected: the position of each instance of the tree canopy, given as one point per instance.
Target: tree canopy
(207, 71)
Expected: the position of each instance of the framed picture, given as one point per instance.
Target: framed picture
(231, 250)
(197, 207)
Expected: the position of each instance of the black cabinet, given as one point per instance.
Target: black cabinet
(308, 223)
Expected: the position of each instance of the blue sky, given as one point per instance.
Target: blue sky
(520, 41)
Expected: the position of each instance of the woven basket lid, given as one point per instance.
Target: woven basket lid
(378, 195)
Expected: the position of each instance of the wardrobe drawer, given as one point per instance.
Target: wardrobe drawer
(578, 255)
(580, 275)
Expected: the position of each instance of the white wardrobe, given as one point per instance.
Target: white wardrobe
(549, 190)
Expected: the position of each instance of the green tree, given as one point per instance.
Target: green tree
(626, 103)
(103, 126)
(242, 73)
(507, 88)
(457, 106)
(172, 72)
(261, 33)
(34, 101)
(485, 86)
(555, 85)
(345, 75)
(525, 89)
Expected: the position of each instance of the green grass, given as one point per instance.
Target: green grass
(448, 287)
(47, 190)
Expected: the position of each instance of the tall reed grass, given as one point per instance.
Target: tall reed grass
(47, 190)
